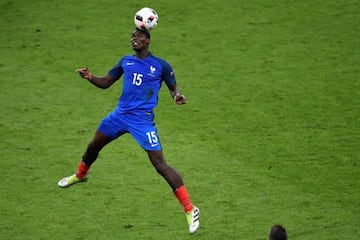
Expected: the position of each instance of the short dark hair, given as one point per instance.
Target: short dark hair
(143, 31)
(278, 232)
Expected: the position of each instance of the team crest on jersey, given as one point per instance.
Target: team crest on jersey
(152, 71)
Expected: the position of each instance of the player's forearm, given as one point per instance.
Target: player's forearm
(100, 82)
(174, 92)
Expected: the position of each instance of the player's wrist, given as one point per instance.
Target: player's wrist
(89, 76)
(176, 95)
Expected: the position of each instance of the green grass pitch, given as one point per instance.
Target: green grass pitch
(270, 134)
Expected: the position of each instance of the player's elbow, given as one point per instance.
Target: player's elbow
(104, 86)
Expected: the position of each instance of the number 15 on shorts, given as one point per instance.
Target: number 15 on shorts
(153, 139)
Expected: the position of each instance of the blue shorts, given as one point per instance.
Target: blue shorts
(140, 125)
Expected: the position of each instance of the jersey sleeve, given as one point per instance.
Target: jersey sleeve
(168, 75)
(117, 71)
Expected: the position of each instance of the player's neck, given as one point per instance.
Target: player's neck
(143, 53)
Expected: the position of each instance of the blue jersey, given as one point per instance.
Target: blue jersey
(142, 79)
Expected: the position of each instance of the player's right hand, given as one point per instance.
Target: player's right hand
(179, 99)
(84, 73)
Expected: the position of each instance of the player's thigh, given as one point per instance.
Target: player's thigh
(146, 136)
(112, 126)
(100, 140)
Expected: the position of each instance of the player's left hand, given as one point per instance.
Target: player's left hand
(179, 99)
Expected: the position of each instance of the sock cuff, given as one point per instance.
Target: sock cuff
(183, 197)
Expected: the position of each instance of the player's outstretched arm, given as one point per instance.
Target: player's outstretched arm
(100, 82)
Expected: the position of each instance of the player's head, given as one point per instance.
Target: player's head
(140, 39)
(147, 34)
(278, 232)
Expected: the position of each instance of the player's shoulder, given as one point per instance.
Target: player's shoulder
(160, 60)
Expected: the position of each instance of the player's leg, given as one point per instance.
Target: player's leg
(99, 141)
(175, 181)
(172, 177)
(146, 135)
(109, 129)
(91, 153)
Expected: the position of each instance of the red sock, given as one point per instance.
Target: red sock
(183, 197)
(82, 170)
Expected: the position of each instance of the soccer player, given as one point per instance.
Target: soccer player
(278, 232)
(143, 74)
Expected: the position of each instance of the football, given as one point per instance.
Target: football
(146, 19)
